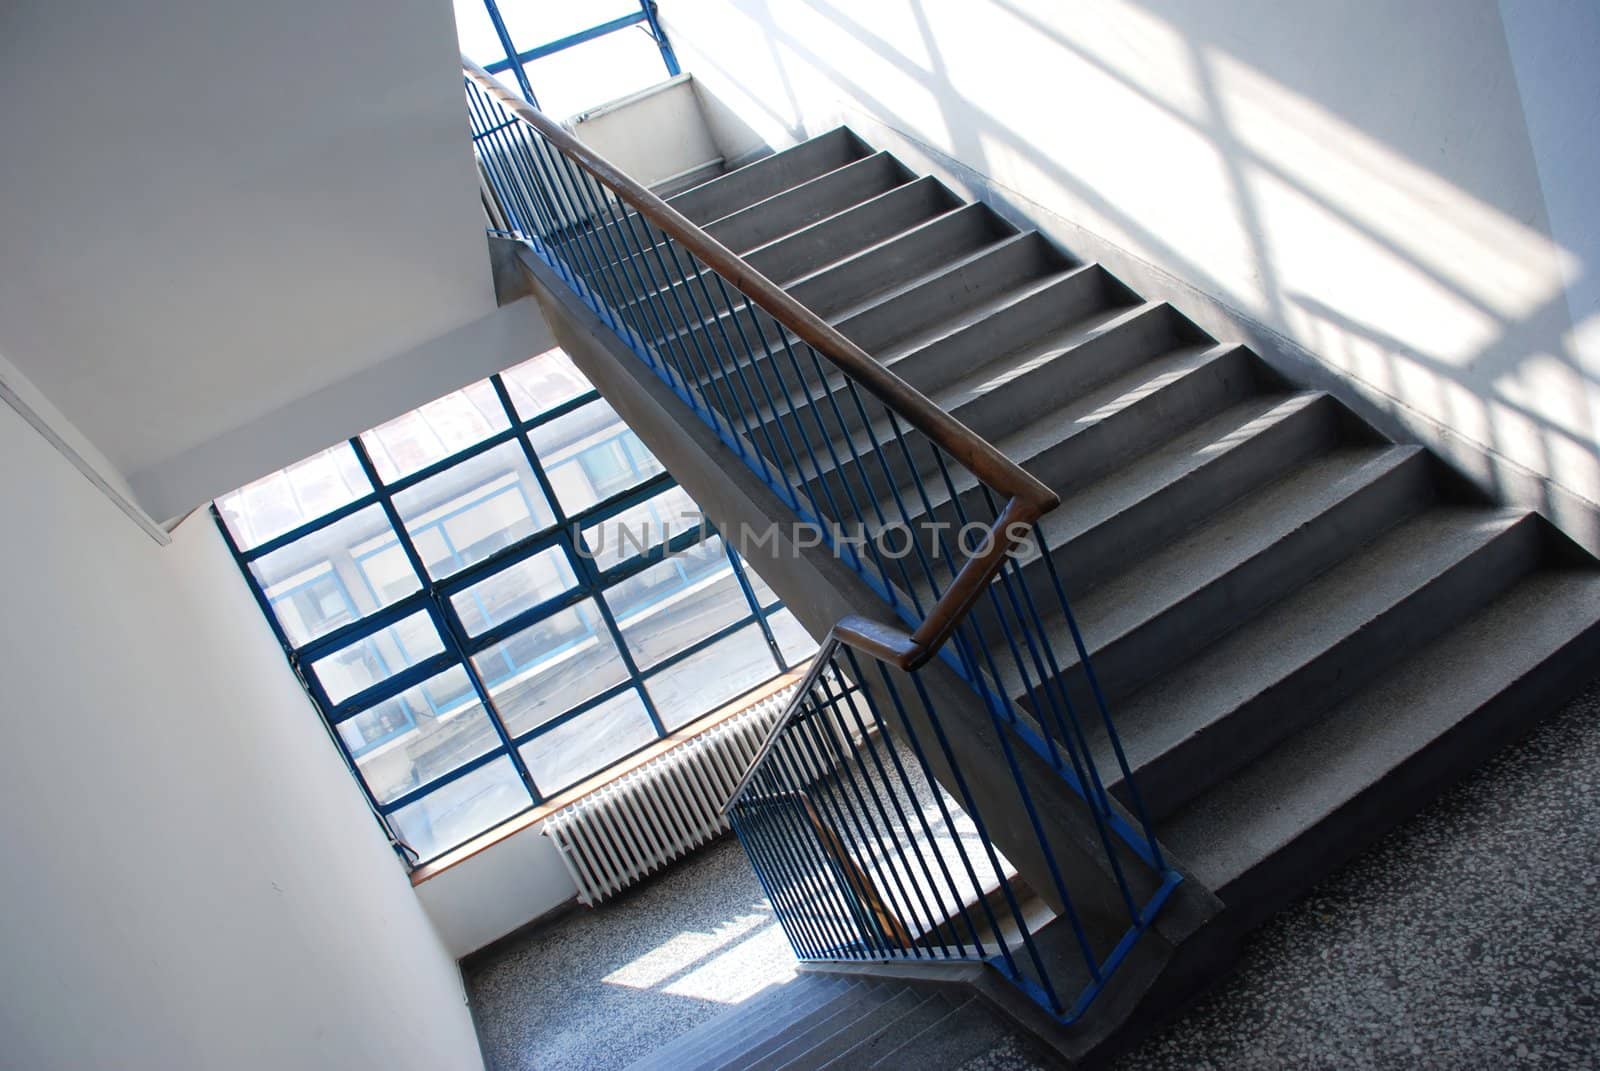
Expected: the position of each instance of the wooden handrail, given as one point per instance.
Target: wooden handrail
(1027, 497)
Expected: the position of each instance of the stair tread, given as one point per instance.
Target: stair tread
(969, 1030)
(770, 174)
(840, 1032)
(1281, 796)
(819, 193)
(1094, 505)
(803, 1034)
(1252, 527)
(1305, 625)
(923, 195)
(770, 1005)
(865, 1051)
(720, 1048)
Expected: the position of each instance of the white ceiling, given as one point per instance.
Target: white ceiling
(210, 209)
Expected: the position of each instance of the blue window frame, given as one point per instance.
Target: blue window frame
(467, 677)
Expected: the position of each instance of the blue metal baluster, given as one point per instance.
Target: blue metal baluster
(885, 838)
(789, 925)
(922, 817)
(943, 929)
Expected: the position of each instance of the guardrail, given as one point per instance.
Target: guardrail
(932, 516)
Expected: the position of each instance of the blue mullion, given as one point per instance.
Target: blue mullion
(655, 555)
(300, 675)
(510, 49)
(555, 412)
(668, 57)
(386, 689)
(450, 637)
(412, 795)
(316, 524)
(560, 44)
(585, 569)
(755, 607)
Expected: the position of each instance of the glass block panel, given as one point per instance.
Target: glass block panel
(539, 385)
(550, 667)
(793, 640)
(706, 680)
(262, 511)
(432, 433)
(419, 735)
(320, 582)
(676, 603)
(512, 590)
(377, 657)
(473, 509)
(589, 455)
(639, 528)
(588, 743)
(462, 809)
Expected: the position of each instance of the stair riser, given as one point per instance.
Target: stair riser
(847, 1027)
(945, 360)
(1044, 388)
(1301, 697)
(804, 205)
(1134, 659)
(1003, 268)
(853, 230)
(865, 1052)
(896, 262)
(812, 247)
(1009, 406)
(1398, 793)
(720, 1050)
(1181, 506)
(769, 176)
(1008, 264)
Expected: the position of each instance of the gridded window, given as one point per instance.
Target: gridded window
(498, 595)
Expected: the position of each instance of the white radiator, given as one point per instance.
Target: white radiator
(651, 815)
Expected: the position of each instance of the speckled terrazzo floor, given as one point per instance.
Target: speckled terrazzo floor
(1469, 938)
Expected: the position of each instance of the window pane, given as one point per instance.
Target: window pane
(377, 657)
(588, 743)
(595, 72)
(512, 590)
(334, 576)
(473, 509)
(589, 455)
(539, 385)
(639, 528)
(462, 809)
(432, 433)
(419, 735)
(550, 667)
(793, 640)
(279, 503)
(705, 681)
(678, 602)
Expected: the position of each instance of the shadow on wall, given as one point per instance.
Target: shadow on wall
(1356, 178)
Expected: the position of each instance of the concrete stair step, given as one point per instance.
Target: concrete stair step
(888, 1037)
(966, 1032)
(770, 175)
(747, 1023)
(808, 249)
(854, 1023)
(1280, 672)
(799, 206)
(1171, 604)
(1032, 368)
(1272, 829)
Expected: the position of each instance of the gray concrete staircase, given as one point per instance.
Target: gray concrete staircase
(829, 1021)
(1305, 630)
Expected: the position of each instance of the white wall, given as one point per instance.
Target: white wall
(210, 210)
(190, 879)
(1355, 176)
(502, 888)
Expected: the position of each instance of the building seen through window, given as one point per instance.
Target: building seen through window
(497, 595)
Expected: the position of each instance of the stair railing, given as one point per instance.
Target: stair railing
(935, 518)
